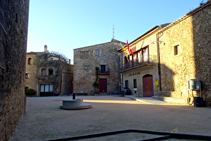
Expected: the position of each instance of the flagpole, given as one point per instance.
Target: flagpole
(128, 50)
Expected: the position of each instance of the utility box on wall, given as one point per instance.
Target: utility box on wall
(194, 84)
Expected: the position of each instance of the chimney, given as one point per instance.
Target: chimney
(69, 61)
(45, 48)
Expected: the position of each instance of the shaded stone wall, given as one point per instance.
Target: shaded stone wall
(67, 79)
(201, 23)
(84, 78)
(130, 75)
(13, 39)
(55, 79)
(192, 33)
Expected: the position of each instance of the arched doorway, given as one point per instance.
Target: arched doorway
(147, 85)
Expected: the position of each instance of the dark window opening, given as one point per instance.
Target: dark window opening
(26, 76)
(126, 83)
(134, 83)
(16, 17)
(103, 68)
(50, 71)
(29, 61)
(176, 50)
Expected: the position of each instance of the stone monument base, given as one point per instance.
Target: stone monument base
(74, 104)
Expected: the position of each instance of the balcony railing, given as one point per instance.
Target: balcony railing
(133, 64)
(106, 71)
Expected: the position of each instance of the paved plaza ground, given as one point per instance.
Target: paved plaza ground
(44, 120)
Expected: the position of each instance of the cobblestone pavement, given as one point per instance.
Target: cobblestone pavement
(44, 120)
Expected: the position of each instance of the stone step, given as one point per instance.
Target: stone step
(173, 100)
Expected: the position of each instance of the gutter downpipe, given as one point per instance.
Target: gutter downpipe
(158, 57)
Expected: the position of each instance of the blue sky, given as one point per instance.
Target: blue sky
(64, 25)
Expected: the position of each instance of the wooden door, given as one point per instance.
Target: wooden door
(147, 86)
(103, 85)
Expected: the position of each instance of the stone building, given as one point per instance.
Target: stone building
(96, 68)
(185, 48)
(13, 41)
(48, 73)
(166, 58)
(139, 71)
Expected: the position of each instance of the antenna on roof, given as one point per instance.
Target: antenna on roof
(113, 31)
(201, 3)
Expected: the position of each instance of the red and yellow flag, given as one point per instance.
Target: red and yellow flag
(125, 50)
(129, 50)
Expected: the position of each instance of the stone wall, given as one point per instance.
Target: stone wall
(138, 73)
(31, 70)
(67, 79)
(62, 73)
(192, 33)
(13, 39)
(85, 57)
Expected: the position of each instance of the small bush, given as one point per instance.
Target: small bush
(30, 92)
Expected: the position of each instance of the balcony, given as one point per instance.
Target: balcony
(104, 71)
(133, 64)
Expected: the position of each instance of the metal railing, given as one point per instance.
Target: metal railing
(161, 135)
(106, 71)
(134, 63)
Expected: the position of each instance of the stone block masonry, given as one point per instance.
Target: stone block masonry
(106, 58)
(13, 39)
(186, 52)
(44, 70)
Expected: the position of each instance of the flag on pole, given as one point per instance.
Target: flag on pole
(125, 50)
(129, 50)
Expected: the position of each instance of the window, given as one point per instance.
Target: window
(46, 88)
(103, 68)
(50, 71)
(126, 83)
(51, 88)
(127, 62)
(96, 52)
(26, 75)
(134, 83)
(43, 72)
(42, 88)
(29, 61)
(176, 50)
(145, 54)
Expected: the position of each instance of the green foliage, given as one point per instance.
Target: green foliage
(97, 70)
(95, 84)
(30, 92)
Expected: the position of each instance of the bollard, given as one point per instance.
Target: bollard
(73, 95)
